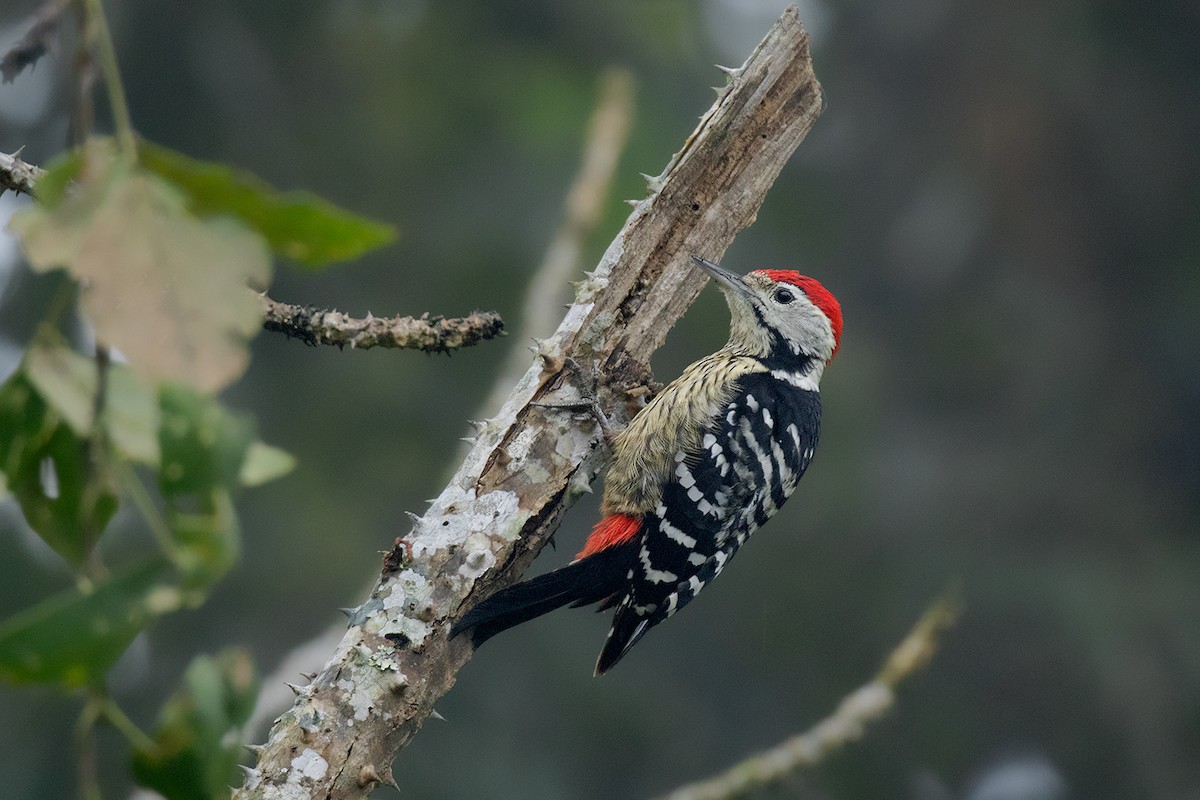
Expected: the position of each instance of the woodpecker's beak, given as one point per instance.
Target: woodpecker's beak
(724, 278)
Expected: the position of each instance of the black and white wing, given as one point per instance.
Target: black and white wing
(751, 456)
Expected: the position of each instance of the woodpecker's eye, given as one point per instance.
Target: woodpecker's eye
(783, 296)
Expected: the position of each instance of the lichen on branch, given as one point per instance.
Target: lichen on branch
(315, 326)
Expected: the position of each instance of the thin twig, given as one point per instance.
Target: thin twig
(432, 334)
(847, 724)
(106, 57)
(35, 43)
(83, 77)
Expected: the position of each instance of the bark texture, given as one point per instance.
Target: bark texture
(530, 463)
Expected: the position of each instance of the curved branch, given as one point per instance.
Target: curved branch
(846, 724)
(531, 462)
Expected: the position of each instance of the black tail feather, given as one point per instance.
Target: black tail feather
(588, 580)
(627, 629)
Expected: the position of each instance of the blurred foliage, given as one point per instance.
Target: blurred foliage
(195, 749)
(164, 251)
(74, 638)
(46, 468)
(163, 286)
(298, 225)
(1006, 201)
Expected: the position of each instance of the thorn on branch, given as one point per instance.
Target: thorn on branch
(17, 175)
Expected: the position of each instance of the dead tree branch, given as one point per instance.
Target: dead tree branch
(530, 463)
(846, 724)
(325, 326)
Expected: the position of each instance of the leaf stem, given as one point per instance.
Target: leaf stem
(145, 505)
(95, 479)
(61, 301)
(106, 55)
(85, 743)
(114, 716)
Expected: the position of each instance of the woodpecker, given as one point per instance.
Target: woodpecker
(698, 470)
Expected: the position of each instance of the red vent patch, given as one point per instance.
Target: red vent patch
(613, 530)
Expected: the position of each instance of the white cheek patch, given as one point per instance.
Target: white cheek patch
(806, 328)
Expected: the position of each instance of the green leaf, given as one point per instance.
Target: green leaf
(65, 497)
(166, 288)
(73, 638)
(203, 449)
(193, 757)
(60, 172)
(208, 540)
(299, 225)
(203, 446)
(67, 381)
(264, 464)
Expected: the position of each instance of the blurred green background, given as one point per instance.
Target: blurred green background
(1003, 196)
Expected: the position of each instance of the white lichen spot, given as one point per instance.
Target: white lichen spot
(490, 508)
(384, 660)
(403, 610)
(355, 697)
(308, 764)
(479, 558)
(458, 513)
